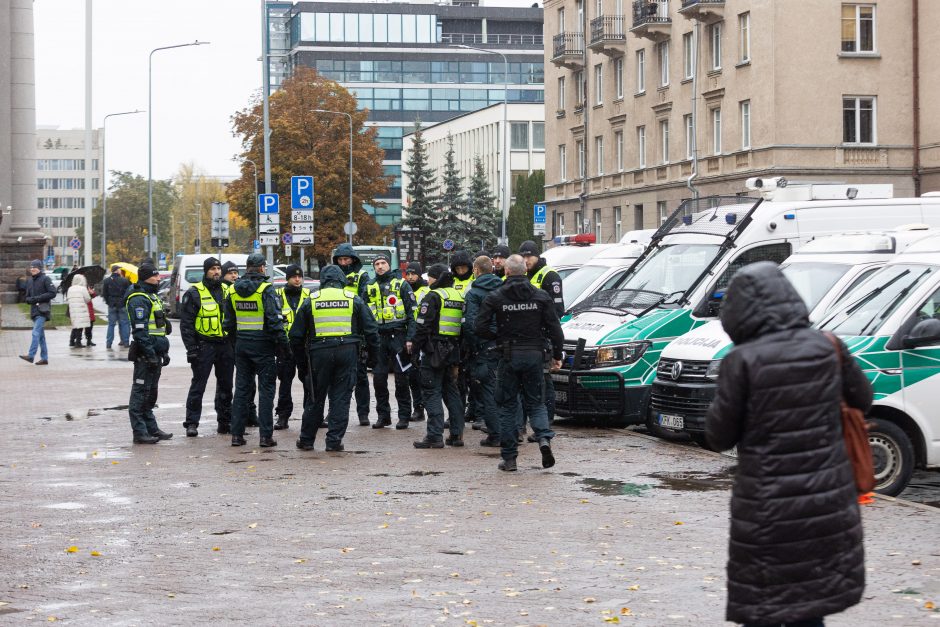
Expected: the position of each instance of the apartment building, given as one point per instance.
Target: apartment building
(650, 102)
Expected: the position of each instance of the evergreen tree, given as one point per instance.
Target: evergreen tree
(451, 217)
(529, 191)
(421, 188)
(483, 216)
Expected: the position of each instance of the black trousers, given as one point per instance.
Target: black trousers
(520, 373)
(286, 369)
(221, 357)
(334, 377)
(390, 345)
(414, 382)
(362, 387)
(439, 388)
(144, 398)
(483, 389)
(254, 360)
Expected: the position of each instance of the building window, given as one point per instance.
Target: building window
(579, 147)
(640, 71)
(599, 153)
(688, 56)
(714, 37)
(561, 224)
(578, 222)
(618, 77)
(519, 135)
(858, 120)
(637, 217)
(598, 236)
(745, 124)
(563, 162)
(599, 84)
(661, 210)
(716, 131)
(561, 20)
(641, 146)
(618, 224)
(561, 93)
(664, 138)
(689, 137)
(663, 53)
(858, 28)
(579, 89)
(618, 141)
(744, 32)
(538, 135)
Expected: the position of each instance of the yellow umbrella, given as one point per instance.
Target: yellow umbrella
(130, 270)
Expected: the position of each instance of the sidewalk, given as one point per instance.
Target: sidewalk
(624, 529)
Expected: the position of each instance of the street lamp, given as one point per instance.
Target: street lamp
(350, 163)
(505, 142)
(104, 185)
(255, 192)
(149, 247)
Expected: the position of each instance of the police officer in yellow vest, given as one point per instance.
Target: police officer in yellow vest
(149, 327)
(229, 276)
(207, 348)
(293, 295)
(461, 267)
(420, 288)
(253, 314)
(329, 327)
(392, 303)
(357, 278)
(437, 339)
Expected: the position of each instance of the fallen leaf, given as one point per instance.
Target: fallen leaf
(115, 463)
(252, 525)
(584, 501)
(611, 619)
(95, 554)
(487, 514)
(915, 563)
(523, 613)
(300, 561)
(216, 548)
(383, 526)
(512, 594)
(928, 605)
(171, 595)
(52, 619)
(589, 599)
(625, 611)
(678, 522)
(634, 587)
(380, 492)
(347, 549)
(72, 549)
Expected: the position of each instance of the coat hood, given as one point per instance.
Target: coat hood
(332, 276)
(346, 250)
(248, 284)
(445, 280)
(79, 279)
(519, 287)
(760, 300)
(461, 258)
(487, 282)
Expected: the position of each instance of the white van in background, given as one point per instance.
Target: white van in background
(187, 269)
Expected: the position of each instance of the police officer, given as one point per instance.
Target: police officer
(357, 279)
(149, 327)
(253, 314)
(329, 328)
(499, 256)
(483, 354)
(229, 276)
(437, 340)
(525, 317)
(420, 288)
(293, 295)
(207, 348)
(461, 267)
(391, 302)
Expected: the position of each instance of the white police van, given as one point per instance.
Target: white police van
(606, 268)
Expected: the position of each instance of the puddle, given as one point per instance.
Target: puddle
(924, 488)
(610, 487)
(570, 474)
(694, 481)
(381, 474)
(423, 473)
(112, 454)
(65, 506)
(112, 497)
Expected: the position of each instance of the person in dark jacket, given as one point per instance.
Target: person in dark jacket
(419, 288)
(253, 315)
(150, 353)
(796, 551)
(461, 269)
(483, 354)
(113, 290)
(357, 278)
(293, 295)
(39, 293)
(328, 329)
(207, 348)
(229, 276)
(499, 255)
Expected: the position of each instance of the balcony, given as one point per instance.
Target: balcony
(651, 19)
(568, 50)
(706, 11)
(608, 35)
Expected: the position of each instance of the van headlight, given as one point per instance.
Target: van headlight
(620, 354)
(711, 373)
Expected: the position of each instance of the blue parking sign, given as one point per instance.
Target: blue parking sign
(539, 213)
(301, 192)
(268, 203)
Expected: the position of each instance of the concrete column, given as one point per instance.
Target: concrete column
(6, 155)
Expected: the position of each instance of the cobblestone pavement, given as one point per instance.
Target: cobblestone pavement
(624, 529)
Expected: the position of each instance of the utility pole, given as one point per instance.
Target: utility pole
(266, 120)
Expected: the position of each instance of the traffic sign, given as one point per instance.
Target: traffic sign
(268, 229)
(304, 239)
(539, 213)
(269, 240)
(287, 250)
(220, 211)
(286, 238)
(301, 192)
(301, 215)
(538, 228)
(50, 260)
(302, 227)
(162, 261)
(75, 243)
(75, 256)
(268, 203)
(448, 244)
(268, 218)
(255, 245)
(350, 228)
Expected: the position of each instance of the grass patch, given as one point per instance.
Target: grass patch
(59, 317)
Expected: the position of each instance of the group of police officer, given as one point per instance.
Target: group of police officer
(484, 331)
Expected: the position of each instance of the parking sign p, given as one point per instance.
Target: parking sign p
(301, 192)
(268, 203)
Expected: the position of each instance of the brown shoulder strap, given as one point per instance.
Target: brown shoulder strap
(835, 345)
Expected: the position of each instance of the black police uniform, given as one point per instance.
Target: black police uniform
(207, 347)
(550, 283)
(483, 357)
(392, 303)
(418, 288)
(255, 349)
(358, 279)
(227, 287)
(291, 363)
(525, 317)
(334, 356)
(149, 328)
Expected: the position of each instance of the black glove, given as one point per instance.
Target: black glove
(30, 300)
(166, 359)
(192, 356)
(169, 328)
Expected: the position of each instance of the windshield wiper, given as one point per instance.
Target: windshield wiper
(659, 302)
(887, 308)
(878, 290)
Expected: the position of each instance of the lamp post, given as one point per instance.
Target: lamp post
(104, 185)
(255, 168)
(350, 163)
(505, 142)
(149, 246)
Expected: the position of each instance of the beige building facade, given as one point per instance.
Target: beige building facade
(650, 102)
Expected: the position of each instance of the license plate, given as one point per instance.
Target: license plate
(561, 396)
(668, 421)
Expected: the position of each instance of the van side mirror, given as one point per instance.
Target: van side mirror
(924, 333)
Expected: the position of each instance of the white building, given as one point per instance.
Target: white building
(478, 134)
(61, 180)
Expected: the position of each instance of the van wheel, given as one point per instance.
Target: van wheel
(664, 434)
(893, 456)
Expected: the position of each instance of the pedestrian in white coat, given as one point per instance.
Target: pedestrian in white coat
(78, 298)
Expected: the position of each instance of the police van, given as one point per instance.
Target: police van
(570, 252)
(605, 269)
(824, 272)
(614, 341)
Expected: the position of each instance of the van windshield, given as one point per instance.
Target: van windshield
(873, 302)
(580, 280)
(814, 280)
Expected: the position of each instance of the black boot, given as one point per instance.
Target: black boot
(364, 420)
(428, 443)
(281, 423)
(145, 439)
(162, 435)
(454, 440)
(191, 431)
(238, 440)
(223, 428)
(382, 422)
(508, 465)
(304, 446)
(545, 446)
(401, 424)
(418, 414)
(267, 442)
(490, 441)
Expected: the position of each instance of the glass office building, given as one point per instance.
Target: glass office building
(403, 61)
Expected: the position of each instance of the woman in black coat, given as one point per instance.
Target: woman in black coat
(796, 551)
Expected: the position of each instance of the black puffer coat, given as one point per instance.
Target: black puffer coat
(796, 536)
